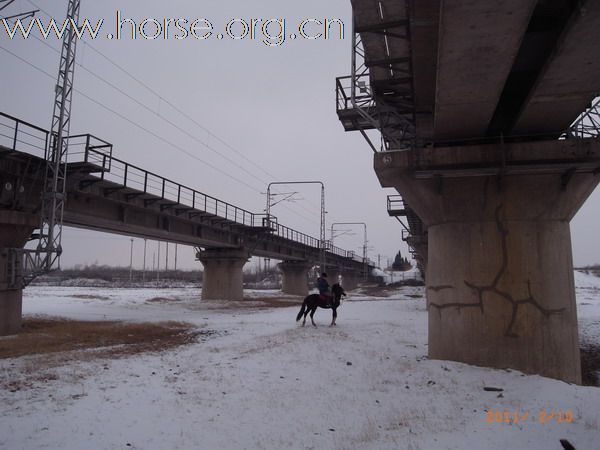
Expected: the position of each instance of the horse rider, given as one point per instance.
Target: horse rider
(323, 287)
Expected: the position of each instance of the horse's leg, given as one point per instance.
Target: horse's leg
(333, 316)
(306, 311)
(312, 313)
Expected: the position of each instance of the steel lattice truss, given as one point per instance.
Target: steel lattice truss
(588, 124)
(379, 93)
(56, 169)
(25, 264)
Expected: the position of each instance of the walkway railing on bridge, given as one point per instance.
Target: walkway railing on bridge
(395, 205)
(363, 97)
(94, 155)
(15, 133)
(89, 149)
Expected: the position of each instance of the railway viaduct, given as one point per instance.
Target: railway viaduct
(107, 194)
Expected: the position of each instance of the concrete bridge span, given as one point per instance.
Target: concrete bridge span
(108, 194)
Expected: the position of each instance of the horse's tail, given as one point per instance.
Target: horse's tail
(299, 316)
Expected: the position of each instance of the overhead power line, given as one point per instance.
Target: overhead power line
(166, 101)
(112, 111)
(181, 112)
(156, 136)
(152, 111)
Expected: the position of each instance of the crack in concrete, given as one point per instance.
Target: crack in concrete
(480, 291)
(439, 288)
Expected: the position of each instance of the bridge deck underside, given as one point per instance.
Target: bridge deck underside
(570, 78)
(424, 41)
(379, 48)
(522, 68)
(383, 27)
(478, 43)
(102, 205)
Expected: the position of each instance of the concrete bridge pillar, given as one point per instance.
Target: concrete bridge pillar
(15, 230)
(333, 275)
(500, 285)
(350, 280)
(295, 274)
(223, 273)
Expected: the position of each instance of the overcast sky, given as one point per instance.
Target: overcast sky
(271, 105)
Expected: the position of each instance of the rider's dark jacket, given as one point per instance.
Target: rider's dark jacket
(323, 286)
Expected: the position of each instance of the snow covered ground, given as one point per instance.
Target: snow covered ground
(588, 307)
(263, 382)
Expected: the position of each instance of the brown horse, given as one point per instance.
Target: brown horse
(314, 301)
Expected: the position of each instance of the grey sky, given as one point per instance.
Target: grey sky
(274, 105)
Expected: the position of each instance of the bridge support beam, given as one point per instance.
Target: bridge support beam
(500, 285)
(295, 277)
(223, 273)
(15, 229)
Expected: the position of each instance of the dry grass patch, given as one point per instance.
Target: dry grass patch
(384, 291)
(89, 297)
(249, 303)
(162, 300)
(104, 339)
(48, 344)
(376, 290)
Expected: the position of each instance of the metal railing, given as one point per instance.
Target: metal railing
(170, 193)
(363, 97)
(379, 108)
(395, 205)
(296, 236)
(15, 132)
(405, 235)
(178, 196)
(92, 149)
(97, 154)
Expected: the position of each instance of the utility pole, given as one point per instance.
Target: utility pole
(365, 261)
(167, 260)
(144, 269)
(158, 264)
(131, 262)
(323, 212)
(53, 199)
(26, 264)
(175, 257)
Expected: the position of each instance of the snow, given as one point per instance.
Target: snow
(263, 382)
(393, 276)
(588, 307)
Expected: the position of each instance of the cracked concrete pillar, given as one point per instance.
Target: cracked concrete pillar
(223, 273)
(15, 229)
(295, 277)
(500, 286)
